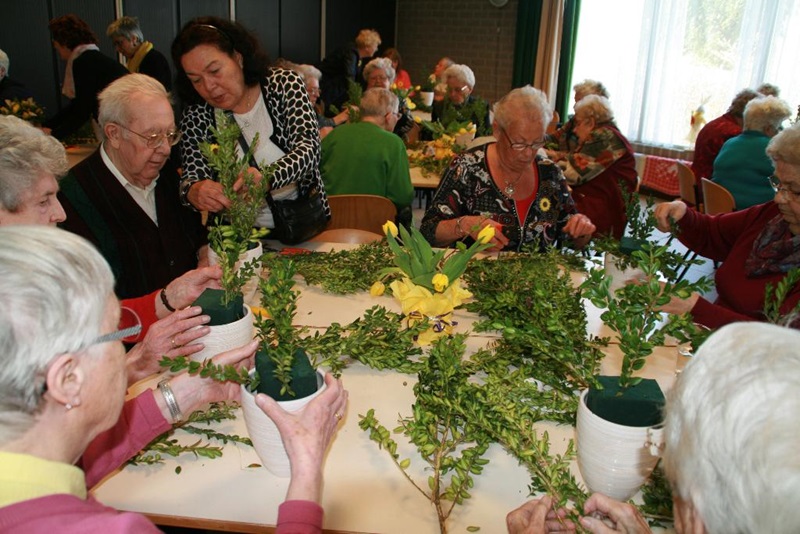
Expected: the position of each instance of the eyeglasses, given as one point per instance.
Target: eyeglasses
(313, 91)
(458, 90)
(778, 187)
(521, 147)
(376, 79)
(156, 140)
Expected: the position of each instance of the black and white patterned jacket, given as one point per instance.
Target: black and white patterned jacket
(295, 131)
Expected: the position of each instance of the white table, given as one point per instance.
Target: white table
(364, 491)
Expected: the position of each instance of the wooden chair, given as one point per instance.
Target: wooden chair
(361, 212)
(688, 186)
(716, 198)
(347, 235)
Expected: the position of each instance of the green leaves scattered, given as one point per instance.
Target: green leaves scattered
(774, 297)
(346, 271)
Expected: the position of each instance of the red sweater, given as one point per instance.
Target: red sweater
(709, 142)
(729, 238)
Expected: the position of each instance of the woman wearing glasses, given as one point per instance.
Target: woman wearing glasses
(757, 246)
(380, 74)
(507, 185)
(64, 422)
(600, 166)
(459, 103)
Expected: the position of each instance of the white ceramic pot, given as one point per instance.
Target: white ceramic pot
(619, 276)
(250, 288)
(615, 460)
(465, 139)
(263, 432)
(427, 98)
(226, 337)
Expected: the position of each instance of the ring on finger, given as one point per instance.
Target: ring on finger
(173, 342)
(338, 416)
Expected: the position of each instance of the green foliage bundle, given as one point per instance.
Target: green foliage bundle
(345, 271)
(774, 297)
(475, 111)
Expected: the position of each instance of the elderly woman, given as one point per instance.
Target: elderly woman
(735, 404)
(311, 76)
(380, 74)
(30, 164)
(460, 104)
(63, 387)
(142, 57)
(565, 135)
(437, 77)
(87, 73)
(222, 67)
(714, 134)
(757, 246)
(742, 163)
(345, 65)
(507, 185)
(600, 166)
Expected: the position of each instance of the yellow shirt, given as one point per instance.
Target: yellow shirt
(24, 477)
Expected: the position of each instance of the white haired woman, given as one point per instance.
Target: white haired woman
(565, 136)
(129, 41)
(311, 76)
(600, 166)
(742, 162)
(506, 185)
(380, 74)
(757, 246)
(731, 441)
(63, 387)
(460, 103)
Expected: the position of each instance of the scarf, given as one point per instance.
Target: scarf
(138, 57)
(775, 250)
(68, 87)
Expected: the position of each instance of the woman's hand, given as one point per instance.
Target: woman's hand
(207, 195)
(185, 289)
(473, 224)
(239, 185)
(667, 212)
(604, 515)
(172, 336)
(306, 435)
(342, 117)
(538, 517)
(555, 155)
(580, 228)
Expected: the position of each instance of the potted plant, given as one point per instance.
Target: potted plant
(426, 90)
(233, 241)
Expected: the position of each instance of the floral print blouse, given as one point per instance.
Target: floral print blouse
(467, 188)
(598, 152)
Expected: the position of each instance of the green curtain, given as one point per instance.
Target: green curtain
(526, 41)
(569, 37)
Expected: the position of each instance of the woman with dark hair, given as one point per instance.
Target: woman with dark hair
(88, 72)
(222, 67)
(401, 79)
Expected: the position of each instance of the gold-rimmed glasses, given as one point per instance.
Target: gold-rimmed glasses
(156, 140)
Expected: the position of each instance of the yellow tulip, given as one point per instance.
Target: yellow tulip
(487, 234)
(440, 282)
(394, 86)
(214, 148)
(418, 120)
(377, 289)
(389, 228)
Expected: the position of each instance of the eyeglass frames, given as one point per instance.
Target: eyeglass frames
(778, 187)
(156, 140)
(520, 147)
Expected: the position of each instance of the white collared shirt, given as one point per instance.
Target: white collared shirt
(144, 197)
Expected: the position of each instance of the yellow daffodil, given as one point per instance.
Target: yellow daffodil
(377, 289)
(389, 228)
(418, 120)
(440, 282)
(394, 86)
(214, 147)
(486, 234)
(544, 205)
(410, 104)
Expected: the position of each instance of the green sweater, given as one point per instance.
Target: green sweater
(364, 159)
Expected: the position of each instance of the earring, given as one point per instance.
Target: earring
(68, 406)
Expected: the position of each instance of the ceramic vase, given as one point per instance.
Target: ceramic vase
(226, 337)
(250, 288)
(427, 98)
(619, 276)
(263, 432)
(615, 460)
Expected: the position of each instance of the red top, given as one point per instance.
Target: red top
(145, 308)
(709, 142)
(402, 79)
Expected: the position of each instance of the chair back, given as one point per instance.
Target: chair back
(347, 235)
(361, 212)
(717, 199)
(687, 184)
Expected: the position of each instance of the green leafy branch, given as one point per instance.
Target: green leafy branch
(346, 271)
(209, 369)
(775, 296)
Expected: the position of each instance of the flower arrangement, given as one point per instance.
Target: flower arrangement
(404, 95)
(429, 288)
(26, 109)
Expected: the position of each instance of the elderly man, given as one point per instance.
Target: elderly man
(731, 443)
(10, 89)
(124, 197)
(460, 103)
(366, 158)
(30, 164)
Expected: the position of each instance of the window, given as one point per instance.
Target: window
(662, 59)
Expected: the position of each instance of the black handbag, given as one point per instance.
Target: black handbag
(297, 220)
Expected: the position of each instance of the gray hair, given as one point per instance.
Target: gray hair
(377, 102)
(368, 38)
(461, 73)
(731, 430)
(380, 63)
(127, 28)
(526, 104)
(115, 99)
(594, 107)
(786, 146)
(766, 112)
(591, 87)
(768, 89)
(740, 101)
(25, 153)
(5, 63)
(54, 286)
(307, 71)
